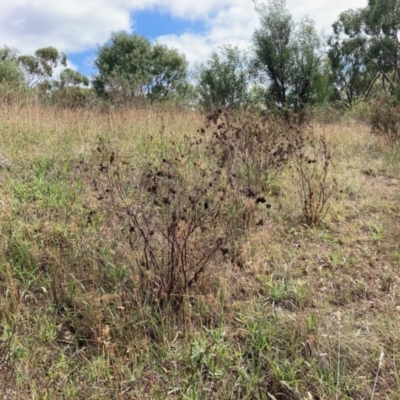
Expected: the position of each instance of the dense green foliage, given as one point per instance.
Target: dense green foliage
(9, 71)
(129, 66)
(223, 80)
(364, 51)
(289, 56)
(11, 76)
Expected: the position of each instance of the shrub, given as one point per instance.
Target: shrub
(73, 97)
(166, 220)
(252, 150)
(313, 165)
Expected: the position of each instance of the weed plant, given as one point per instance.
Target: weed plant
(313, 164)
(170, 223)
(250, 149)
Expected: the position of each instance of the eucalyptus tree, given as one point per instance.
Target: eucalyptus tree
(288, 57)
(168, 71)
(38, 68)
(223, 80)
(9, 68)
(129, 66)
(69, 77)
(365, 51)
(11, 76)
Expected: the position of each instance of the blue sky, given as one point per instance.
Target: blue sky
(193, 27)
(150, 23)
(155, 23)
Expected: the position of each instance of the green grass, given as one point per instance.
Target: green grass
(286, 311)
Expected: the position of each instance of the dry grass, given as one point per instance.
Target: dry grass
(289, 312)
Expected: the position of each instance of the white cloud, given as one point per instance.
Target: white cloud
(324, 12)
(70, 26)
(236, 24)
(195, 47)
(233, 25)
(79, 25)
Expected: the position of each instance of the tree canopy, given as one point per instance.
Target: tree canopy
(130, 66)
(39, 67)
(223, 80)
(288, 55)
(365, 49)
(11, 76)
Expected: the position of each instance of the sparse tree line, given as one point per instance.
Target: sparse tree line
(288, 65)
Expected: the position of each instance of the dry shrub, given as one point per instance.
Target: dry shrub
(252, 151)
(167, 220)
(313, 163)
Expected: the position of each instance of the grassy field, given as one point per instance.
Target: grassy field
(146, 255)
